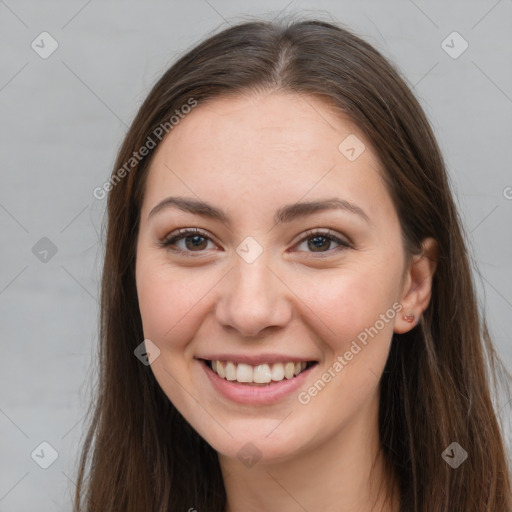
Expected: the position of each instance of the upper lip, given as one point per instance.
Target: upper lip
(255, 360)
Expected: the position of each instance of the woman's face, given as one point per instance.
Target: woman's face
(261, 282)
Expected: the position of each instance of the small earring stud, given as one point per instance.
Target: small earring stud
(409, 318)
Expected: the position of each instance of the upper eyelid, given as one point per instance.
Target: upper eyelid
(184, 232)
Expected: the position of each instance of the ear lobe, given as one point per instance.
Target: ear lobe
(417, 289)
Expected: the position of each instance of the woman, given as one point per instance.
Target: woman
(288, 316)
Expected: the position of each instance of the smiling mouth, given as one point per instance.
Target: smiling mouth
(260, 375)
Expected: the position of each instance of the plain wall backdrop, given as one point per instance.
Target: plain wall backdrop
(64, 112)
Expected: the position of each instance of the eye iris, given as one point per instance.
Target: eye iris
(196, 243)
(317, 242)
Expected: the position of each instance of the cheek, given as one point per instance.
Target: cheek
(347, 302)
(174, 302)
(169, 303)
(354, 314)
(166, 300)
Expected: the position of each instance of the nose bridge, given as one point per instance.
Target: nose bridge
(253, 298)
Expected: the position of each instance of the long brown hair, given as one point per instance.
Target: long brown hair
(140, 454)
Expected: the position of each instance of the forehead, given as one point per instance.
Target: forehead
(278, 122)
(265, 149)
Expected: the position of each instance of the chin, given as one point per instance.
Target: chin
(260, 449)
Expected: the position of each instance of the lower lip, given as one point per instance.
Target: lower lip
(255, 395)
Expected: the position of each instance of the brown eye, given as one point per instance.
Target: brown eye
(194, 241)
(318, 243)
(321, 242)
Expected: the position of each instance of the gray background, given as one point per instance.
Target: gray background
(64, 117)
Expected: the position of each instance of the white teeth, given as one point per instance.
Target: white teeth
(260, 374)
(289, 370)
(243, 373)
(277, 371)
(230, 370)
(219, 368)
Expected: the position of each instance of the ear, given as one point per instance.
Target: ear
(417, 287)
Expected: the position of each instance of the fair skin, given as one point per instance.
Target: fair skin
(249, 156)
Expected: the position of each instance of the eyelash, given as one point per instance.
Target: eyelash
(172, 238)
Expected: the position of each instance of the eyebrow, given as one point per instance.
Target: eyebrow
(286, 213)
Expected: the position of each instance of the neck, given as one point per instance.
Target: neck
(346, 473)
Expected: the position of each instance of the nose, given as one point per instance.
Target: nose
(253, 298)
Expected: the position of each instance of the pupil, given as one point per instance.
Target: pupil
(197, 241)
(321, 239)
